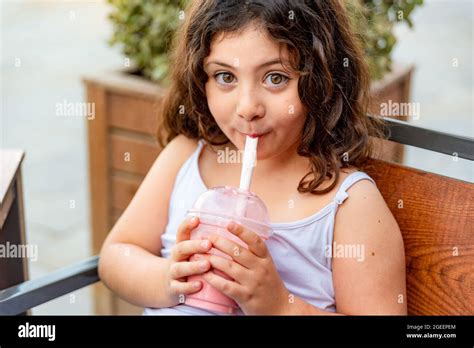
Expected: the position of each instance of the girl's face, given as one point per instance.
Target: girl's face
(249, 92)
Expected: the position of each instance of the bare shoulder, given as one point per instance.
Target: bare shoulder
(170, 160)
(364, 197)
(179, 149)
(374, 283)
(365, 208)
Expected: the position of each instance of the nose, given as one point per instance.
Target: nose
(249, 106)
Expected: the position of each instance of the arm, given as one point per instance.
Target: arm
(375, 283)
(130, 262)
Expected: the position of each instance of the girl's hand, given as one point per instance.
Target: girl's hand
(257, 287)
(179, 268)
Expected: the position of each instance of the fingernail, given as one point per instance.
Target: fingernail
(196, 285)
(203, 265)
(231, 226)
(193, 220)
(205, 244)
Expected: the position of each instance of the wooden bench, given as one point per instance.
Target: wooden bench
(435, 215)
(434, 212)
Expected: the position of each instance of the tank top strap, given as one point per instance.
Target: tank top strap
(196, 153)
(201, 143)
(350, 180)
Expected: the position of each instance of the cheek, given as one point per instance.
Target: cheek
(291, 113)
(219, 105)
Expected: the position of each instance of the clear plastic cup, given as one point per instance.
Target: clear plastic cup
(215, 208)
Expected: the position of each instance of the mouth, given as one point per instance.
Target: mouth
(255, 135)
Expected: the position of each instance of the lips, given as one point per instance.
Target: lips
(255, 135)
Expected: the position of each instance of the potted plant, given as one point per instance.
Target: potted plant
(145, 29)
(122, 144)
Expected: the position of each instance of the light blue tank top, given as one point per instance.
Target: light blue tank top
(298, 248)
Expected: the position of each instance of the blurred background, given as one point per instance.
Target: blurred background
(48, 47)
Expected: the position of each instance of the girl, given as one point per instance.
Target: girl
(291, 73)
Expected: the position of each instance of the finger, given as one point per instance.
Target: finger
(227, 287)
(237, 252)
(183, 250)
(184, 269)
(185, 228)
(229, 267)
(254, 241)
(184, 288)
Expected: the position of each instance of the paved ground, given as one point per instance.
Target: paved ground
(56, 43)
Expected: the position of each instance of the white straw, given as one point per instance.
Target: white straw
(248, 163)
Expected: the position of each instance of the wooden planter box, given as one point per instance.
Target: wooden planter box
(395, 86)
(122, 148)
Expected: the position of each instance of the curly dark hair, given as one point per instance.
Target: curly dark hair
(333, 84)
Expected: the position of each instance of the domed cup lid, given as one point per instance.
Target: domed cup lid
(231, 203)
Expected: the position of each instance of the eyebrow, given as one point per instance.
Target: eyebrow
(271, 62)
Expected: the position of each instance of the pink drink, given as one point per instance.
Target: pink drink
(215, 208)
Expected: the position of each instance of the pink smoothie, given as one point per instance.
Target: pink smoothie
(215, 208)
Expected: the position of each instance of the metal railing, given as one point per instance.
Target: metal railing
(407, 134)
(19, 298)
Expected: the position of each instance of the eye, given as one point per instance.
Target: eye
(224, 78)
(275, 79)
